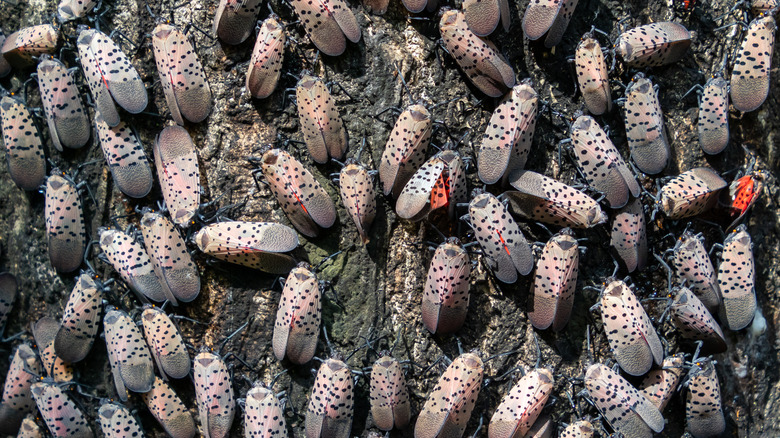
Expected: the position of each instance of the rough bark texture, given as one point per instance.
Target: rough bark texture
(376, 290)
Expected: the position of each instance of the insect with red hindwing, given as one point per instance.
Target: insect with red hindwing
(742, 193)
(506, 250)
(439, 183)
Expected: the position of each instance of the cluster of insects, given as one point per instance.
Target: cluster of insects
(154, 261)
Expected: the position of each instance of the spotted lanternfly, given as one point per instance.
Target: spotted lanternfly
(172, 262)
(631, 335)
(750, 76)
(169, 411)
(331, 405)
(520, 408)
(445, 299)
(703, 410)
(758, 7)
(258, 245)
(110, 76)
(538, 197)
(327, 23)
(405, 149)
(17, 399)
(578, 429)
(263, 415)
(482, 16)
(165, 343)
(416, 6)
(181, 74)
(30, 428)
(448, 408)
(8, 288)
(357, 193)
(45, 331)
(694, 268)
(125, 157)
(653, 44)
(23, 146)
(736, 280)
(64, 223)
(22, 47)
(593, 75)
(62, 416)
(131, 362)
(539, 17)
(214, 393)
(5, 67)
(439, 183)
(479, 58)
(68, 122)
(390, 406)
(690, 193)
(235, 19)
(552, 294)
(628, 238)
(713, 124)
(177, 170)
(265, 66)
(695, 323)
(601, 163)
(660, 385)
(509, 134)
(80, 320)
(304, 201)
(555, 33)
(622, 405)
(323, 131)
(645, 129)
(741, 195)
(69, 10)
(544, 427)
(116, 421)
(299, 315)
(504, 244)
(132, 263)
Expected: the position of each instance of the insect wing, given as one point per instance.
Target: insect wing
(172, 263)
(8, 289)
(169, 411)
(695, 323)
(258, 245)
(357, 193)
(554, 282)
(500, 237)
(405, 149)
(653, 44)
(446, 291)
(165, 343)
(132, 263)
(23, 146)
(331, 405)
(713, 124)
(736, 280)
(65, 115)
(22, 47)
(214, 392)
(62, 416)
(660, 385)
(17, 399)
(750, 75)
(181, 73)
(125, 157)
(622, 405)
(64, 224)
(555, 33)
(235, 19)
(628, 237)
(389, 395)
(265, 66)
(690, 193)
(592, 76)
(45, 331)
(263, 415)
(129, 352)
(703, 409)
(645, 129)
(482, 16)
(323, 130)
(80, 321)
(694, 267)
(299, 316)
(177, 169)
(116, 421)
(321, 26)
(520, 408)
(416, 195)
(539, 17)
(448, 407)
